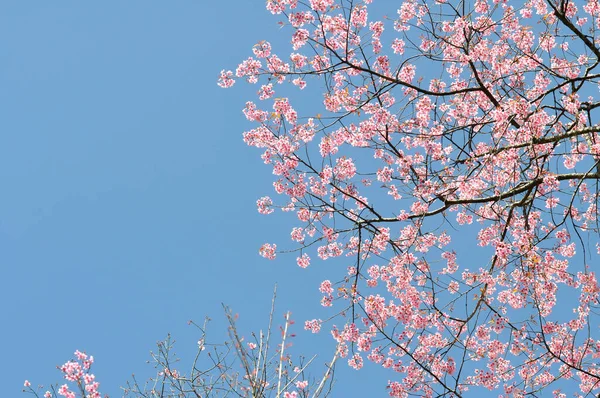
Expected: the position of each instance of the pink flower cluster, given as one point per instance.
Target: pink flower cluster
(76, 371)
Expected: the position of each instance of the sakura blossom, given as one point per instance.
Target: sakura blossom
(449, 166)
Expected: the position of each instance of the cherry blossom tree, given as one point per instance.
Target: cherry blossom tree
(447, 154)
(258, 366)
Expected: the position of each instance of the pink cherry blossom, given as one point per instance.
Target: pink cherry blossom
(446, 167)
(225, 80)
(268, 251)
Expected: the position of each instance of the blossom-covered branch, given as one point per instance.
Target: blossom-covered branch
(451, 161)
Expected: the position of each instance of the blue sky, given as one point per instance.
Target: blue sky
(128, 195)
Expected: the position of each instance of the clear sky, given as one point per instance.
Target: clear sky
(128, 196)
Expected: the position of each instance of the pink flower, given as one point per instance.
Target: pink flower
(88, 378)
(356, 362)
(64, 391)
(314, 325)
(262, 49)
(299, 82)
(321, 5)
(453, 287)
(264, 205)
(225, 79)
(300, 38)
(552, 202)
(303, 261)
(27, 383)
(266, 91)
(326, 287)
(268, 251)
